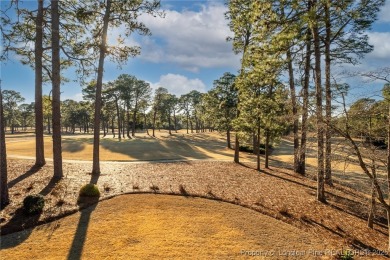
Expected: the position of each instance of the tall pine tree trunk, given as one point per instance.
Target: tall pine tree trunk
(113, 127)
(134, 118)
(229, 145)
(371, 213)
(258, 146)
(328, 93)
(169, 123)
(154, 121)
(320, 121)
(187, 122)
(118, 114)
(146, 123)
(39, 142)
(196, 124)
(123, 121)
(104, 128)
(388, 171)
(56, 85)
(128, 122)
(48, 125)
(12, 123)
(267, 151)
(305, 105)
(4, 197)
(388, 227)
(254, 142)
(175, 120)
(98, 98)
(236, 149)
(237, 142)
(294, 110)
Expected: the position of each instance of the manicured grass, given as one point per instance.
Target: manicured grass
(155, 226)
(177, 146)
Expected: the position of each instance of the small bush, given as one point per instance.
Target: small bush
(89, 190)
(249, 149)
(33, 204)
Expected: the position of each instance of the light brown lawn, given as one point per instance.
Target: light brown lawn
(178, 146)
(169, 227)
(345, 166)
(285, 153)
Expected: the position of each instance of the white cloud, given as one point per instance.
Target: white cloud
(190, 39)
(384, 13)
(179, 84)
(113, 36)
(380, 55)
(381, 42)
(76, 97)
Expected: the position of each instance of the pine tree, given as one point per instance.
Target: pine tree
(4, 196)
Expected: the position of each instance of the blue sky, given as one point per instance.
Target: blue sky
(187, 50)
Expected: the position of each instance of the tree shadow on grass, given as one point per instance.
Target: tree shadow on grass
(154, 149)
(359, 245)
(34, 169)
(18, 221)
(378, 221)
(244, 164)
(355, 243)
(73, 146)
(76, 249)
(22, 223)
(50, 186)
(290, 180)
(88, 205)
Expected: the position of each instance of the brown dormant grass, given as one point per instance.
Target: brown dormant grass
(161, 226)
(178, 146)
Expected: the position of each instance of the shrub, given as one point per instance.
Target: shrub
(33, 204)
(246, 149)
(89, 190)
(249, 149)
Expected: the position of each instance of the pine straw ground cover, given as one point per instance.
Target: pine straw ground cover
(277, 192)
